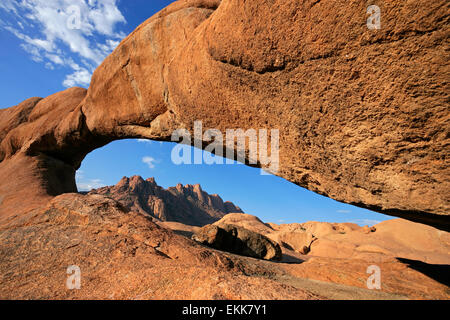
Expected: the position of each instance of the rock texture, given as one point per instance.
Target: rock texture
(187, 204)
(363, 114)
(121, 255)
(397, 238)
(124, 255)
(363, 118)
(238, 240)
(393, 238)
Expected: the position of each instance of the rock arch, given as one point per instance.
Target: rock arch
(363, 114)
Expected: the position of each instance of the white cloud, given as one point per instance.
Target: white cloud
(90, 184)
(105, 16)
(55, 33)
(343, 211)
(49, 66)
(150, 162)
(55, 59)
(8, 5)
(82, 77)
(84, 184)
(33, 51)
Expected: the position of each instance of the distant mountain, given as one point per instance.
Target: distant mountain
(187, 204)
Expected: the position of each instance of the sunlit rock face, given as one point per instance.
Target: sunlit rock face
(362, 114)
(184, 204)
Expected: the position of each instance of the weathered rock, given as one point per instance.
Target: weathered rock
(386, 240)
(293, 237)
(413, 279)
(121, 255)
(238, 240)
(297, 241)
(246, 221)
(43, 142)
(360, 119)
(187, 204)
(396, 238)
(415, 264)
(124, 255)
(363, 114)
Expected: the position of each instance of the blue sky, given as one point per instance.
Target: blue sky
(48, 46)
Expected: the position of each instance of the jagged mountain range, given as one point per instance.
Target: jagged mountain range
(187, 204)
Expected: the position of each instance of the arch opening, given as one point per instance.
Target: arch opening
(268, 197)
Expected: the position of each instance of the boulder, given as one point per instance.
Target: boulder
(238, 240)
(246, 221)
(298, 241)
(291, 236)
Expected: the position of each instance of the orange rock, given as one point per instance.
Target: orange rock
(186, 204)
(360, 112)
(363, 119)
(121, 255)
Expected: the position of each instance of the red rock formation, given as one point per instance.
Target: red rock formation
(363, 118)
(124, 255)
(238, 240)
(121, 255)
(397, 238)
(189, 204)
(362, 114)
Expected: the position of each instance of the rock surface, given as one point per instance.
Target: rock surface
(363, 114)
(397, 238)
(185, 204)
(238, 240)
(124, 255)
(121, 255)
(394, 238)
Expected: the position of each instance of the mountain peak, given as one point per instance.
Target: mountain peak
(123, 182)
(136, 178)
(187, 204)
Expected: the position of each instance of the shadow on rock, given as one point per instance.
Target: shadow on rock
(438, 272)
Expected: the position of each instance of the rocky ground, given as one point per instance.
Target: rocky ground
(392, 238)
(124, 255)
(361, 113)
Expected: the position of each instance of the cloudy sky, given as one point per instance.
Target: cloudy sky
(71, 34)
(50, 45)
